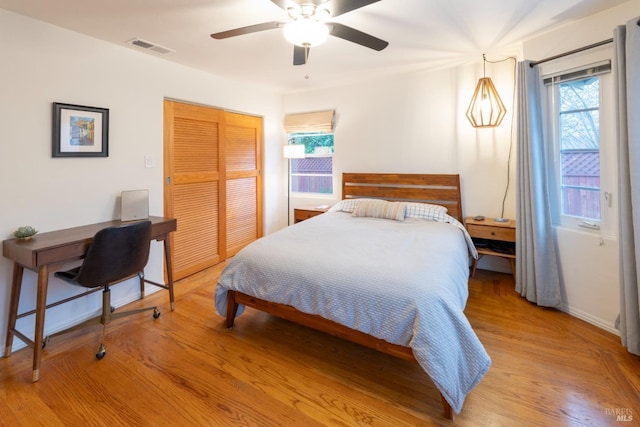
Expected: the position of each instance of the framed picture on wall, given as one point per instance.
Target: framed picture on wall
(80, 131)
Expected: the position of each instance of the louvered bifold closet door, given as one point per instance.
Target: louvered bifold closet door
(243, 159)
(194, 192)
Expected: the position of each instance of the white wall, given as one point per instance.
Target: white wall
(42, 64)
(588, 261)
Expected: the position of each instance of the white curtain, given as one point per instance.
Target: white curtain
(537, 276)
(627, 58)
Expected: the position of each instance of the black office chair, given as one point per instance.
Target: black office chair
(115, 254)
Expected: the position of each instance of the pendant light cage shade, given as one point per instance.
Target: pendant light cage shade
(486, 109)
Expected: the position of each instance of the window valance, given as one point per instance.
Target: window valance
(318, 121)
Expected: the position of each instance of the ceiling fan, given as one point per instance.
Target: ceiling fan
(308, 25)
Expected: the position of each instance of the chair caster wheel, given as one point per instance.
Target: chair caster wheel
(112, 309)
(156, 313)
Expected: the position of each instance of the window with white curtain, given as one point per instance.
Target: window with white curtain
(581, 140)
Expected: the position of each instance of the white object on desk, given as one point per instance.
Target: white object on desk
(134, 205)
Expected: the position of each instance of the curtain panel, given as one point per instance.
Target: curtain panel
(627, 59)
(537, 277)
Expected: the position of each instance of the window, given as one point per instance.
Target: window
(581, 141)
(314, 172)
(579, 137)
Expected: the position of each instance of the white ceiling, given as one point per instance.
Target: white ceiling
(422, 34)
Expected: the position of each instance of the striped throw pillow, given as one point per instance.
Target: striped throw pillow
(380, 209)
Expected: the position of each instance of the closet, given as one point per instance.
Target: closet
(213, 184)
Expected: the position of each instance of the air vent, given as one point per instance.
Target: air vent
(147, 45)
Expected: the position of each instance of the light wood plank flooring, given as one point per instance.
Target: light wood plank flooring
(549, 369)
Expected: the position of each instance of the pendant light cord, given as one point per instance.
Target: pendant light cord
(484, 65)
(513, 106)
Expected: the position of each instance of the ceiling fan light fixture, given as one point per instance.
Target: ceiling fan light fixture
(306, 32)
(294, 12)
(322, 13)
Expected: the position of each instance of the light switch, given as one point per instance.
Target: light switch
(148, 161)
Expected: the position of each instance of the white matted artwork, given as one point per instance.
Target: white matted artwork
(80, 131)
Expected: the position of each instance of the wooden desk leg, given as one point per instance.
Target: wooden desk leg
(167, 263)
(41, 306)
(16, 287)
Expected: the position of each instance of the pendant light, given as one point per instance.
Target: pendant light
(486, 109)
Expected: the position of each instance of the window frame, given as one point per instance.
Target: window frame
(607, 223)
(298, 194)
(558, 117)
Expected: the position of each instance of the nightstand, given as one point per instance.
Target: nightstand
(306, 212)
(493, 238)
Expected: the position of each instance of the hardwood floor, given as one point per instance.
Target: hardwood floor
(185, 368)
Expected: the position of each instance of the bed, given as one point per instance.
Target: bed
(388, 269)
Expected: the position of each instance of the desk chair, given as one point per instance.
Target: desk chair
(115, 254)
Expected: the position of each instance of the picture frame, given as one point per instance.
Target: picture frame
(80, 131)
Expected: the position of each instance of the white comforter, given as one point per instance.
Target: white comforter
(402, 281)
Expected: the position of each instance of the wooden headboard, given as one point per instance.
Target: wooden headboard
(426, 188)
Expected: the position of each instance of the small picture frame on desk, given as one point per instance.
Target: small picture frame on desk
(80, 131)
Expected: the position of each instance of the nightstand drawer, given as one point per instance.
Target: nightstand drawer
(492, 232)
(301, 214)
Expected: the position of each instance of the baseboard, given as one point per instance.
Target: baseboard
(589, 318)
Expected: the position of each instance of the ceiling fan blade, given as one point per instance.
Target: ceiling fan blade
(300, 55)
(282, 4)
(247, 30)
(356, 36)
(338, 7)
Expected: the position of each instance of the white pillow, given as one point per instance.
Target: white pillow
(426, 211)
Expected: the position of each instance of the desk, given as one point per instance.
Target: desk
(45, 252)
